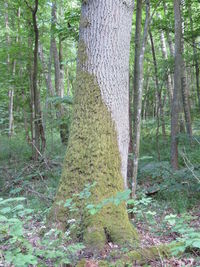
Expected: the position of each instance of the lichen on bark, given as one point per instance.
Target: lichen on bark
(93, 155)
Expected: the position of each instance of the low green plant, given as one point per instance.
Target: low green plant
(188, 237)
(140, 207)
(55, 246)
(15, 246)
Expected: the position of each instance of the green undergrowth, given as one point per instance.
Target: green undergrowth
(21, 176)
(166, 207)
(178, 189)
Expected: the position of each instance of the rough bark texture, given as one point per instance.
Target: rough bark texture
(177, 87)
(99, 137)
(138, 84)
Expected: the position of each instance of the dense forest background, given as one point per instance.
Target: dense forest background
(38, 63)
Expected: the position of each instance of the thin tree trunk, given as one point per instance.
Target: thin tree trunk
(11, 90)
(185, 90)
(195, 57)
(11, 100)
(32, 107)
(130, 149)
(49, 81)
(171, 46)
(145, 102)
(38, 126)
(59, 76)
(138, 84)
(64, 126)
(165, 56)
(62, 84)
(185, 99)
(61, 58)
(177, 87)
(158, 89)
(54, 49)
(47, 71)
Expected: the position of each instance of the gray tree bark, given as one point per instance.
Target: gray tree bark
(158, 88)
(195, 59)
(185, 99)
(11, 69)
(54, 48)
(46, 69)
(140, 44)
(38, 134)
(99, 135)
(165, 56)
(59, 74)
(177, 86)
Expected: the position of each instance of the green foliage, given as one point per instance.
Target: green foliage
(180, 189)
(55, 246)
(189, 237)
(141, 208)
(15, 242)
(70, 27)
(59, 100)
(12, 220)
(116, 200)
(14, 148)
(91, 208)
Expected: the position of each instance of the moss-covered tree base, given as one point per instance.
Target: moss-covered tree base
(93, 156)
(138, 257)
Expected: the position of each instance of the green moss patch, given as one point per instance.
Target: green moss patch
(93, 155)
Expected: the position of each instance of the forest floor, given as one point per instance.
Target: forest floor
(167, 207)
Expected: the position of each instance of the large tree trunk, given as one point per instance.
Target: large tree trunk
(177, 87)
(99, 135)
(138, 84)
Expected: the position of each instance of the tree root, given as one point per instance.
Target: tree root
(136, 257)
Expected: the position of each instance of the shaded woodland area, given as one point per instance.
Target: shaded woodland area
(99, 133)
